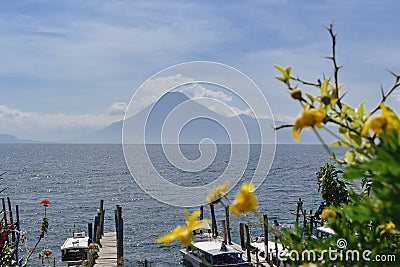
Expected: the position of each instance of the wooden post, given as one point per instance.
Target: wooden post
(241, 231)
(311, 222)
(120, 238)
(213, 221)
(96, 226)
(276, 250)
(102, 211)
(18, 235)
(266, 237)
(248, 243)
(98, 235)
(224, 231)
(90, 232)
(271, 263)
(11, 218)
(201, 212)
(304, 219)
(5, 216)
(228, 225)
(257, 259)
(116, 219)
(297, 212)
(4, 211)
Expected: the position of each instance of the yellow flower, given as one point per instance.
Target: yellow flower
(387, 226)
(245, 200)
(309, 117)
(379, 124)
(308, 264)
(216, 193)
(326, 213)
(184, 233)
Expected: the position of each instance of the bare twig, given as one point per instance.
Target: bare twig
(283, 126)
(388, 93)
(335, 65)
(317, 84)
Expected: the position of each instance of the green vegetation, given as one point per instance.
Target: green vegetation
(333, 189)
(368, 222)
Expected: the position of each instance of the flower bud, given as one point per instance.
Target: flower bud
(326, 99)
(296, 93)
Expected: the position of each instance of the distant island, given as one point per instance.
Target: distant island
(8, 138)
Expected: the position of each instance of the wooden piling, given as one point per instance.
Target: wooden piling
(4, 211)
(96, 233)
(201, 212)
(102, 213)
(120, 236)
(304, 219)
(228, 225)
(266, 236)
(224, 231)
(90, 232)
(213, 221)
(311, 222)
(257, 259)
(17, 228)
(276, 249)
(241, 232)
(297, 212)
(11, 218)
(248, 243)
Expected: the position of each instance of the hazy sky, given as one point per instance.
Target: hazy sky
(69, 66)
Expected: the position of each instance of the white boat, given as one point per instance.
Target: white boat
(207, 251)
(273, 248)
(215, 253)
(323, 232)
(75, 249)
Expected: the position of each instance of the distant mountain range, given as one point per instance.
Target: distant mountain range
(8, 138)
(154, 116)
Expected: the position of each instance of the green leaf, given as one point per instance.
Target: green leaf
(360, 110)
(350, 157)
(281, 69)
(342, 130)
(311, 97)
(340, 143)
(324, 87)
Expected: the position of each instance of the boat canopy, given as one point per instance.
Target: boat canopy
(326, 230)
(79, 240)
(214, 248)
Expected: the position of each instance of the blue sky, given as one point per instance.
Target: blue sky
(72, 66)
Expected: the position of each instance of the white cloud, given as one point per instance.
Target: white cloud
(198, 91)
(152, 89)
(37, 126)
(396, 96)
(118, 108)
(284, 118)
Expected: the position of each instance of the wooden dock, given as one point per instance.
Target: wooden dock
(108, 251)
(111, 249)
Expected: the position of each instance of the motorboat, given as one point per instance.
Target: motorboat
(75, 249)
(207, 251)
(213, 253)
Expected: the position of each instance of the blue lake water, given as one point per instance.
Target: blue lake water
(74, 177)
